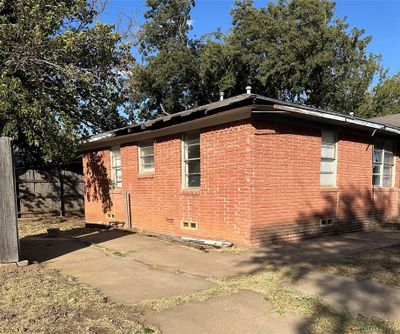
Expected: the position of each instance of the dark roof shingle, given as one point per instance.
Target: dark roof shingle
(388, 120)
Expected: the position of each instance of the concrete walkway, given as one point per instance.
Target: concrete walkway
(243, 312)
(215, 264)
(120, 278)
(131, 268)
(351, 295)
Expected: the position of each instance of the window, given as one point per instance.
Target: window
(146, 157)
(328, 159)
(116, 170)
(382, 164)
(191, 160)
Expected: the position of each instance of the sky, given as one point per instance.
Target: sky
(380, 19)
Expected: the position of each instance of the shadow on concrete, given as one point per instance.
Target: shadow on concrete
(347, 296)
(296, 256)
(41, 248)
(356, 209)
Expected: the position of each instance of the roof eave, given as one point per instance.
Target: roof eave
(244, 100)
(333, 117)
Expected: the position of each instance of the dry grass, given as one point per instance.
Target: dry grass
(379, 266)
(319, 316)
(32, 227)
(34, 299)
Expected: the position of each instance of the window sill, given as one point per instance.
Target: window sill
(190, 191)
(148, 175)
(384, 189)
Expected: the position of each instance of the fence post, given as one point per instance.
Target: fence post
(9, 244)
(61, 190)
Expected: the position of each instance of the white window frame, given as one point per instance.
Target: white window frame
(186, 160)
(332, 160)
(385, 146)
(141, 155)
(115, 181)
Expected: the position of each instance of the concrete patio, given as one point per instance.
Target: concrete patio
(131, 268)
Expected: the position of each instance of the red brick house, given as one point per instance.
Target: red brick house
(247, 169)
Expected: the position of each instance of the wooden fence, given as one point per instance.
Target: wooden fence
(50, 190)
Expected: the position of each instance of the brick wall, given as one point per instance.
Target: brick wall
(221, 207)
(260, 181)
(288, 201)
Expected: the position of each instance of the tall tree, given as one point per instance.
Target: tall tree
(61, 75)
(299, 51)
(164, 82)
(295, 50)
(167, 25)
(383, 99)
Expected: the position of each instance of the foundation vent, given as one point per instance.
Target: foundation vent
(189, 225)
(327, 222)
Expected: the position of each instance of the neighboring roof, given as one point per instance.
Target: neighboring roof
(393, 120)
(259, 105)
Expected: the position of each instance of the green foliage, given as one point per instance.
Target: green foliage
(383, 100)
(166, 79)
(299, 51)
(167, 25)
(61, 75)
(296, 50)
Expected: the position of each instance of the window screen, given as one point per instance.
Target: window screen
(191, 160)
(328, 159)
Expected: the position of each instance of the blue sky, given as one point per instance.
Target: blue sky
(380, 18)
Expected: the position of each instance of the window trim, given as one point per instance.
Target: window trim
(385, 144)
(335, 162)
(114, 182)
(184, 159)
(140, 146)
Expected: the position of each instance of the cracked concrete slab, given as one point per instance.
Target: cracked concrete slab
(185, 259)
(222, 265)
(132, 267)
(120, 278)
(243, 312)
(352, 295)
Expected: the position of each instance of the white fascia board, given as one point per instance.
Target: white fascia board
(335, 117)
(98, 137)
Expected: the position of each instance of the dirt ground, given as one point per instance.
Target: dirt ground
(34, 227)
(35, 299)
